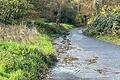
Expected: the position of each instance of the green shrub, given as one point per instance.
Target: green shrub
(80, 20)
(108, 22)
(13, 9)
(104, 24)
(90, 31)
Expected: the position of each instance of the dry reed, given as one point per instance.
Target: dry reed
(17, 33)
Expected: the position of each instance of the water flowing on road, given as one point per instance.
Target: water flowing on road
(84, 58)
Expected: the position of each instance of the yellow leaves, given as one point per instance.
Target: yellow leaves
(103, 11)
(90, 21)
(114, 9)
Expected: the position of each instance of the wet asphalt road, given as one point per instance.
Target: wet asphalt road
(84, 58)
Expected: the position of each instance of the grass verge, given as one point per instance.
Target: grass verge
(28, 61)
(109, 38)
(27, 53)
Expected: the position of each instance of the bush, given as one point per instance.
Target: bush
(13, 9)
(80, 19)
(108, 22)
(68, 14)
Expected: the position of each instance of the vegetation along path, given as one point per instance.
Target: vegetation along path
(84, 58)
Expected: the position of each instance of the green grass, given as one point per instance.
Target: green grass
(109, 38)
(67, 26)
(30, 61)
(50, 27)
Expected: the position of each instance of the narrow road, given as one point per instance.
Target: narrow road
(84, 58)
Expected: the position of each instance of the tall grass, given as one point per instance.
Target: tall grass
(17, 33)
(25, 54)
